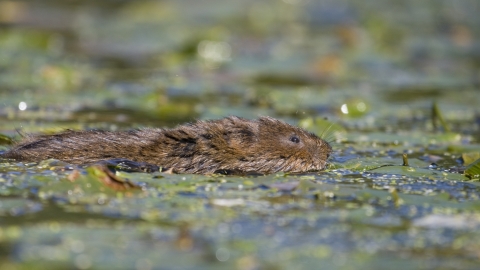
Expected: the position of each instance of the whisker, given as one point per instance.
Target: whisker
(326, 130)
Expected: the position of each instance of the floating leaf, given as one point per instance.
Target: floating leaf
(435, 221)
(403, 138)
(473, 170)
(369, 163)
(468, 158)
(419, 172)
(285, 186)
(4, 139)
(107, 177)
(77, 187)
(364, 164)
(354, 108)
(461, 148)
(228, 202)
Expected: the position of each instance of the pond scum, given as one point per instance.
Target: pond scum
(393, 86)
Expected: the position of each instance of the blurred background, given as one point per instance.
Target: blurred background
(115, 63)
(379, 70)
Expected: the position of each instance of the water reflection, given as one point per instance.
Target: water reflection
(214, 53)
(22, 106)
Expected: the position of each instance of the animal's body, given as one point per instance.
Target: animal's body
(265, 145)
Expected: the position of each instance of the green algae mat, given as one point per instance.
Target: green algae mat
(393, 86)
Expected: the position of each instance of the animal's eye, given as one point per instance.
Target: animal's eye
(295, 139)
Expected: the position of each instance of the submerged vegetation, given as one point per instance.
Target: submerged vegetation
(392, 86)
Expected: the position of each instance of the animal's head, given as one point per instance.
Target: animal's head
(288, 148)
(265, 145)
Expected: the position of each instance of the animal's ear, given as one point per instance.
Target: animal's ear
(270, 121)
(266, 122)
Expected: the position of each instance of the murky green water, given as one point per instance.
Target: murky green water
(374, 69)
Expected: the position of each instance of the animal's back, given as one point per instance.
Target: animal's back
(80, 147)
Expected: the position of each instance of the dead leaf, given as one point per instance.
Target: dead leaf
(73, 176)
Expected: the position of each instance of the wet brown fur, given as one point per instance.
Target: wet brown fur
(265, 145)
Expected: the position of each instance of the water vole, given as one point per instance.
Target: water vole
(265, 145)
